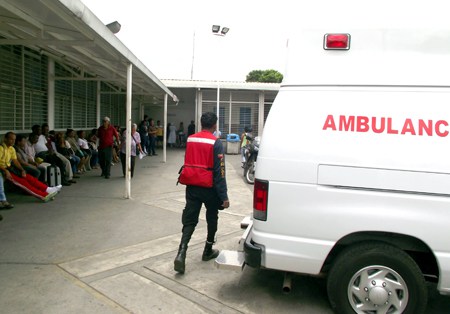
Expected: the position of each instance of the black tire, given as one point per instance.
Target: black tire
(389, 269)
(249, 172)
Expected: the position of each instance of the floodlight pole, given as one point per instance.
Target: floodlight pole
(218, 105)
(219, 31)
(193, 56)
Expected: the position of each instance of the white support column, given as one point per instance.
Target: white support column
(218, 107)
(99, 105)
(231, 111)
(128, 132)
(23, 86)
(51, 94)
(72, 105)
(261, 113)
(200, 110)
(196, 110)
(165, 129)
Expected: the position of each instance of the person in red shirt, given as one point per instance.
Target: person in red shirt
(106, 134)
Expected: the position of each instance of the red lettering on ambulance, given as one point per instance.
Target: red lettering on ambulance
(437, 128)
(386, 125)
(408, 127)
(362, 124)
(428, 128)
(382, 126)
(329, 123)
(390, 130)
(346, 124)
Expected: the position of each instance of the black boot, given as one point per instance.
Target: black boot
(209, 253)
(179, 262)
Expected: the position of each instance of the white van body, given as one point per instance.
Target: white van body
(356, 151)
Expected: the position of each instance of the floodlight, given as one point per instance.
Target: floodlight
(114, 27)
(215, 28)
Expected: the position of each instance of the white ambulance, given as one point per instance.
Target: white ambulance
(353, 172)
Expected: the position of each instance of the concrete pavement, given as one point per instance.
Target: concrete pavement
(92, 251)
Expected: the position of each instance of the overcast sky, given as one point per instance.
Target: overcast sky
(161, 35)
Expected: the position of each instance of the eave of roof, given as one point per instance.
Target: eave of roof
(222, 84)
(68, 31)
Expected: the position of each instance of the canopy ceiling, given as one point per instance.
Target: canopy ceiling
(70, 33)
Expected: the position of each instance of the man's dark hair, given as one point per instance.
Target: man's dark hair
(32, 136)
(35, 128)
(208, 120)
(19, 138)
(8, 134)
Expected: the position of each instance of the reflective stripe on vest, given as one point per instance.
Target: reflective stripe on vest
(192, 139)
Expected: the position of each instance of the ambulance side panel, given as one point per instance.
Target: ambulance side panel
(342, 160)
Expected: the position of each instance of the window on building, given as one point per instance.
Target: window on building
(222, 120)
(245, 116)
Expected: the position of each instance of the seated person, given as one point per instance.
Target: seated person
(27, 163)
(31, 153)
(84, 146)
(70, 138)
(4, 204)
(12, 170)
(46, 152)
(93, 145)
(64, 149)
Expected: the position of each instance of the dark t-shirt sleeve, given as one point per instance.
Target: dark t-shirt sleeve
(220, 182)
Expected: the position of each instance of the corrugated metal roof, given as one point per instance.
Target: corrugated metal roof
(71, 33)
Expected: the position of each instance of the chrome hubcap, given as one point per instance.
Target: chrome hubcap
(377, 289)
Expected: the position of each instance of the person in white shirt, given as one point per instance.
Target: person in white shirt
(45, 151)
(84, 146)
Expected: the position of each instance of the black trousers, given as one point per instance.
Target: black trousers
(123, 159)
(195, 197)
(105, 159)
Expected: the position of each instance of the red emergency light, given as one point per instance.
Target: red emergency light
(336, 42)
(260, 199)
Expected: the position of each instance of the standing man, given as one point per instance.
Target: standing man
(203, 174)
(191, 128)
(106, 134)
(143, 132)
(152, 130)
(159, 134)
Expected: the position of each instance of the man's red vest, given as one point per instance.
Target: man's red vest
(199, 160)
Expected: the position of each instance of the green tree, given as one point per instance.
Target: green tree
(264, 76)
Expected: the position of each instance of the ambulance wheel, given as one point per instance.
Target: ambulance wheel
(376, 278)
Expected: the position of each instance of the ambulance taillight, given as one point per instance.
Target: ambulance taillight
(260, 195)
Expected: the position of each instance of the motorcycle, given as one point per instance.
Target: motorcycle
(251, 154)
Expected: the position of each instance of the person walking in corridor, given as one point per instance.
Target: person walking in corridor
(106, 134)
(203, 174)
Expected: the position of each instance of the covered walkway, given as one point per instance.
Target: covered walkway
(61, 65)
